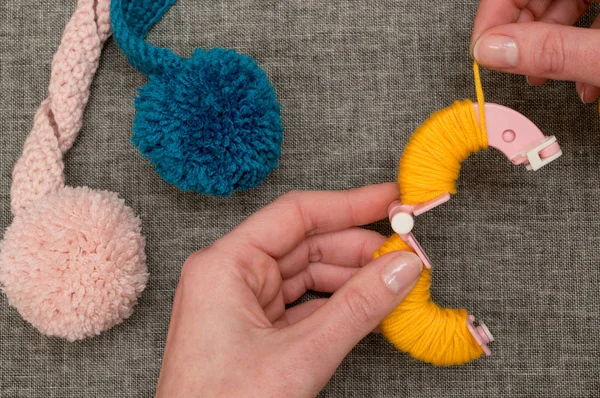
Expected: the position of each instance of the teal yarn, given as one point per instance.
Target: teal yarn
(210, 123)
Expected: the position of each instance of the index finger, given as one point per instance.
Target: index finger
(492, 13)
(284, 224)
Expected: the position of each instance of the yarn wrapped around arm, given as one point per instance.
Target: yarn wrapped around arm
(429, 167)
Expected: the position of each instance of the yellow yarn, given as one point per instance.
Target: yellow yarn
(430, 167)
(431, 161)
(480, 98)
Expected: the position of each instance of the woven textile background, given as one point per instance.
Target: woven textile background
(355, 78)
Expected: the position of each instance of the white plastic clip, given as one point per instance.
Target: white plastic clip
(481, 334)
(534, 156)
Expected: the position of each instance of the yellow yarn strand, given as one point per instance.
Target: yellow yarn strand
(430, 167)
(480, 97)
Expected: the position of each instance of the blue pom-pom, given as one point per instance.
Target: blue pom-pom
(213, 127)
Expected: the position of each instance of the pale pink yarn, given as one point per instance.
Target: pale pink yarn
(72, 262)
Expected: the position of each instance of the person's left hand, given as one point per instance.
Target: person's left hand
(230, 333)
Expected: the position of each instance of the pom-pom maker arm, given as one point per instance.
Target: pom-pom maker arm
(518, 138)
(522, 142)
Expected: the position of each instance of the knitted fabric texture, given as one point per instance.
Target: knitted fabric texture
(429, 167)
(72, 262)
(210, 123)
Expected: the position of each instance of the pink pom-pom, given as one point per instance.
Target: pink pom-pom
(73, 264)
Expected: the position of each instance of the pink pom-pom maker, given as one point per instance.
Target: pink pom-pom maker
(522, 142)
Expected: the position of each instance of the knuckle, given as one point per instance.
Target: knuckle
(191, 273)
(193, 263)
(549, 59)
(198, 262)
(290, 197)
(315, 254)
(361, 307)
(294, 201)
(195, 258)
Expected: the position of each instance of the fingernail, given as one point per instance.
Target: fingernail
(496, 51)
(528, 81)
(582, 94)
(402, 271)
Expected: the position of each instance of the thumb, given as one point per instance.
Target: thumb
(360, 305)
(539, 49)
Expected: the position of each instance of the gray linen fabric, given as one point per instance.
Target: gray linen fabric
(355, 78)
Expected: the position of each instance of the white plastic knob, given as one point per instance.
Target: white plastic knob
(402, 223)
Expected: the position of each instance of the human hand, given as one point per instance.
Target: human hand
(536, 38)
(230, 333)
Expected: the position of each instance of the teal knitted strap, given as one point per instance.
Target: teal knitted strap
(142, 15)
(131, 21)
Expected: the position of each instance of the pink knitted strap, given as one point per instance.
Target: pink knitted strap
(57, 122)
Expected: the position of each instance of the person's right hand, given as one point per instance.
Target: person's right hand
(536, 38)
